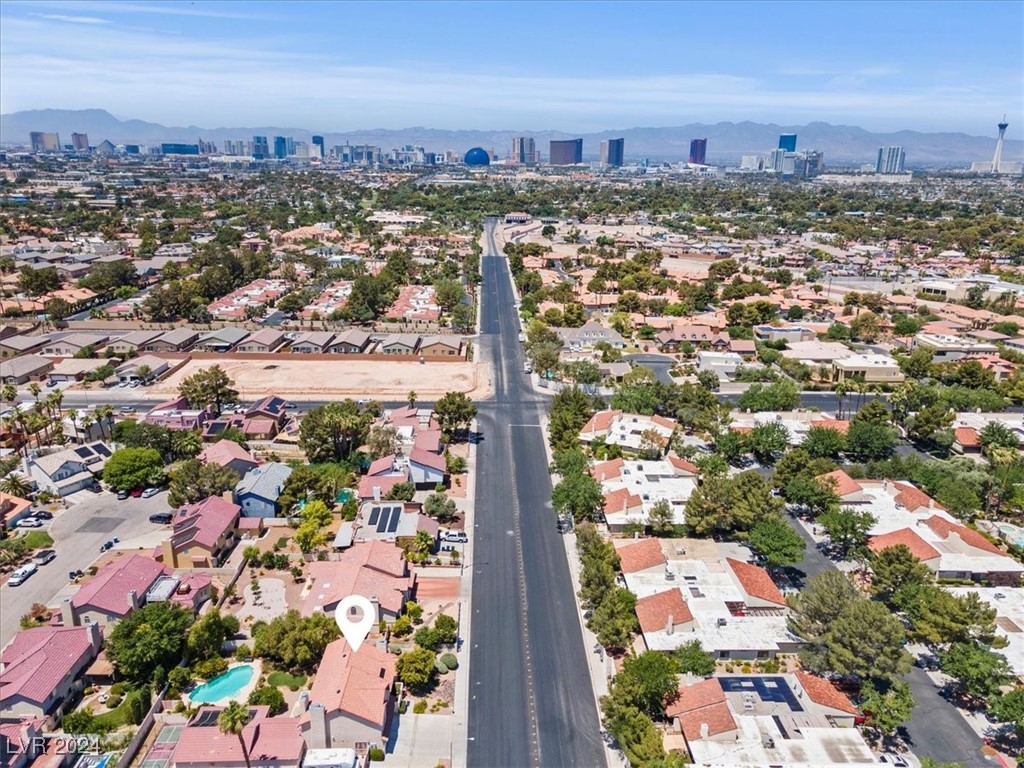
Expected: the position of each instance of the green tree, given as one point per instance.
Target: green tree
(614, 619)
(151, 637)
(774, 539)
(209, 388)
(231, 722)
(582, 372)
(382, 441)
(979, 671)
(268, 696)
(295, 641)
(193, 481)
(866, 640)
(815, 495)
(890, 706)
(814, 609)
(579, 495)
(654, 675)
(1009, 708)
(440, 507)
(570, 410)
(416, 668)
(895, 567)
(454, 411)
(129, 468)
(924, 424)
(847, 528)
(207, 635)
(403, 491)
(330, 433)
(661, 519)
(768, 441)
(781, 395)
(693, 659)
(570, 461)
(867, 441)
(732, 446)
(937, 616)
(824, 443)
(996, 434)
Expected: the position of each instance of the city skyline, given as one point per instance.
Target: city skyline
(227, 63)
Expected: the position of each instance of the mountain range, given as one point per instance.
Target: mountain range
(727, 142)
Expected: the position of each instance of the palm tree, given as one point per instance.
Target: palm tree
(232, 720)
(87, 421)
(104, 414)
(9, 392)
(35, 389)
(841, 391)
(16, 485)
(73, 416)
(412, 398)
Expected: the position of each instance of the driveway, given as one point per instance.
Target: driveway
(660, 364)
(78, 533)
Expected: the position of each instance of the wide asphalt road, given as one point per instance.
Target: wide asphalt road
(532, 700)
(78, 532)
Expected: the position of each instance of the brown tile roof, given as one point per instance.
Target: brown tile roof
(684, 465)
(607, 470)
(654, 611)
(974, 539)
(918, 547)
(821, 691)
(700, 704)
(842, 426)
(756, 581)
(600, 422)
(913, 499)
(844, 484)
(967, 437)
(621, 500)
(640, 556)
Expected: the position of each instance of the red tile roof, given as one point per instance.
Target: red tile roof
(843, 483)
(755, 581)
(224, 452)
(700, 704)
(684, 465)
(913, 499)
(204, 522)
(600, 422)
(641, 555)
(382, 466)
(918, 547)
(607, 470)
(841, 426)
(356, 683)
(621, 500)
(821, 691)
(967, 437)
(385, 483)
(974, 539)
(37, 660)
(654, 611)
(108, 590)
(273, 740)
(428, 459)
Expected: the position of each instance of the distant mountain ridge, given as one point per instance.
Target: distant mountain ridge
(727, 142)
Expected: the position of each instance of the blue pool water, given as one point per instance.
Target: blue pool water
(223, 686)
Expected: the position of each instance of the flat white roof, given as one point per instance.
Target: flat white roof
(810, 748)
(1009, 605)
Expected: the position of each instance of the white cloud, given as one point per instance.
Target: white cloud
(72, 19)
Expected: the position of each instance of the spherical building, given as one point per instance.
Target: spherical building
(477, 156)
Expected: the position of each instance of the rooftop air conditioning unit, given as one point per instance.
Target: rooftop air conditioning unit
(722, 622)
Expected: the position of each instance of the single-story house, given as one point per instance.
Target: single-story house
(132, 342)
(440, 346)
(313, 343)
(351, 342)
(222, 339)
(178, 340)
(128, 370)
(228, 453)
(264, 340)
(427, 469)
(21, 370)
(400, 344)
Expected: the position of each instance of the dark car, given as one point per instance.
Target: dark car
(122, 495)
(161, 517)
(42, 514)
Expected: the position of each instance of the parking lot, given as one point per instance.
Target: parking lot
(78, 533)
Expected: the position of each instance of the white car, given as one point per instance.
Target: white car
(528, 368)
(104, 697)
(150, 493)
(459, 537)
(522, 337)
(20, 575)
(30, 522)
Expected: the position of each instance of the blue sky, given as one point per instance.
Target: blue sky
(574, 66)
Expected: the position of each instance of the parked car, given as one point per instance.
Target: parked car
(30, 522)
(890, 758)
(51, 383)
(528, 368)
(459, 537)
(43, 556)
(150, 493)
(42, 514)
(290, 405)
(127, 409)
(163, 518)
(136, 492)
(20, 575)
(122, 495)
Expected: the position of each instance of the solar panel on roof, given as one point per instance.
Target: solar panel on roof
(83, 451)
(396, 515)
(102, 449)
(374, 514)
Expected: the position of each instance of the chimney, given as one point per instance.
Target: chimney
(375, 602)
(705, 730)
(670, 625)
(67, 613)
(95, 636)
(376, 493)
(318, 734)
(133, 600)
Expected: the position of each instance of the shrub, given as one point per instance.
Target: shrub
(403, 707)
(401, 627)
(419, 707)
(395, 649)
(243, 652)
(450, 661)
(376, 754)
(117, 689)
(114, 702)
(441, 668)
(210, 668)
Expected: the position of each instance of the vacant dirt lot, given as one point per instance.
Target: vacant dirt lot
(317, 379)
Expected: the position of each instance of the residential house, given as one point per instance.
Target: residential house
(20, 744)
(392, 521)
(589, 335)
(40, 669)
(816, 352)
(787, 333)
(426, 468)
(21, 370)
(632, 432)
(723, 363)
(383, 475)
(264, 340)
(377, 569)
(351, 342)
(68, 345)
(440, 346)
(13, 509)
(12, 346)
(75, 369)
(228, 453)
(129, 370)
(176, 414)
(400, 344)
(313, 343)
(178, 340)
(221, 340)
(117, 589)
(259, 489)
(72, 469)
(699, 336)
(869, 368)
(270, 742)
(946, 348)
(632, 488)
(132, 343)
(352, 700)
(202, 535)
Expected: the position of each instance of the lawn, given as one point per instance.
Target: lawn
(294, 682)
(37, 540)
(115, 718)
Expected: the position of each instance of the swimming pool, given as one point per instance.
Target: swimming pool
(223, 686)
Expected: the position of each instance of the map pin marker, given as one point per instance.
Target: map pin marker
(355, 629)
